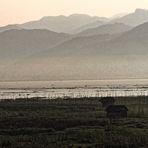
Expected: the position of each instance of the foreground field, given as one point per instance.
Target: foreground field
(72, 123)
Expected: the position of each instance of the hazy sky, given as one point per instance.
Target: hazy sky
(18, 11)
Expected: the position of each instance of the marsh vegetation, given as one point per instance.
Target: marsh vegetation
(77, 122)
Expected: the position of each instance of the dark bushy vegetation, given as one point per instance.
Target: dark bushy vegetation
(72, 123)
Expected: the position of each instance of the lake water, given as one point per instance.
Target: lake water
(75, 88)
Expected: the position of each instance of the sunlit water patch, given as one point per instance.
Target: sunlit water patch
(73, 89)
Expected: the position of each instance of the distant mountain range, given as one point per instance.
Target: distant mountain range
(136, 18)
(130, 42)
(15, 44)
(79, 22)
(89, 26)
(10, 27)
(66, 24)
(106, 29)
(98, 48)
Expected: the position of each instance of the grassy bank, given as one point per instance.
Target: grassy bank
(63, 123)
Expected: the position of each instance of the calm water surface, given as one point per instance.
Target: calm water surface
(83, 88)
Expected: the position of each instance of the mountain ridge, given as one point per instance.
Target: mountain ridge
(106, 29)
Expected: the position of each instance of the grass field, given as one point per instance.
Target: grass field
(72, 123)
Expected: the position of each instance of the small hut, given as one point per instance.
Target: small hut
(117, 111)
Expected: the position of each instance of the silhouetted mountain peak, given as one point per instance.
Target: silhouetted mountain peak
(136, 18)
(61, 23)
(46, 18)
(9, 27)
(79, 15)
(141, 11)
